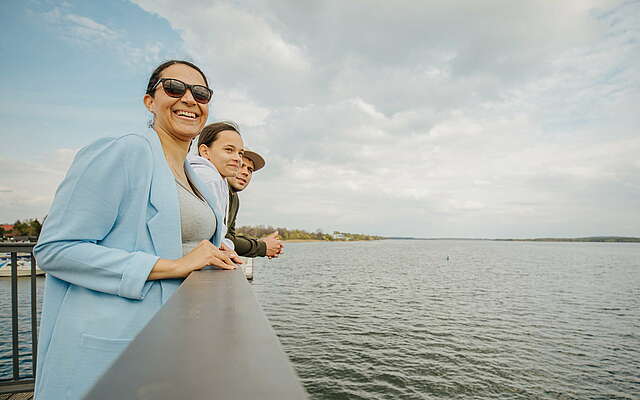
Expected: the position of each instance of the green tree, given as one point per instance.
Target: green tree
(35, 227)
(30, 227)
(19, 228)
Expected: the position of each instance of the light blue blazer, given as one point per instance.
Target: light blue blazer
(115, 213)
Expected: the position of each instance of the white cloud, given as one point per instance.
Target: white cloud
(90, 29)
(28, 186)
(89, 33)
(237, 106)
(435, 119)
(78, 28)
(238, 47)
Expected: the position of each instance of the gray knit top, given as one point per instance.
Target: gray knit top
(197, 220)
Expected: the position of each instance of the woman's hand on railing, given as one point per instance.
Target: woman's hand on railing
(203, 255)
(231, 254)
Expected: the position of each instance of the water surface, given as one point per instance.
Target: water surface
(396, 320)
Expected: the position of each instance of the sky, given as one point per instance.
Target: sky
(492, 119)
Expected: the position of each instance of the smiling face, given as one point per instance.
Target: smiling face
(181, 118)
(225, 153)
(242, 179)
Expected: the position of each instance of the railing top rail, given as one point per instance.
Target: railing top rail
(16, 247)
(210, 341)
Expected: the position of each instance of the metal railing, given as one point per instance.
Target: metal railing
(18, 383)
(211, 340)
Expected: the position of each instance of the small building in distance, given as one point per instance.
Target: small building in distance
(6, 230)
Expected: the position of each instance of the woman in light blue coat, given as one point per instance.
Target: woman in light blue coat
(129, 221)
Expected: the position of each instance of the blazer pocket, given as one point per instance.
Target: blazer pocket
(103, 344)
(96, 354)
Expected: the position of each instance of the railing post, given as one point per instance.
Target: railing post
(17, 383)
(34, 317)
(14, 315)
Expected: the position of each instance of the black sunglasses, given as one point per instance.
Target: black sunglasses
(176, 88)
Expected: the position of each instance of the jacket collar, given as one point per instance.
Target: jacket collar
(163, 220)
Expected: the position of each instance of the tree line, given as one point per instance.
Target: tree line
(30, 227)
(299, 234)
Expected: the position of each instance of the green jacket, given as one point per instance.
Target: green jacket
(246, 246)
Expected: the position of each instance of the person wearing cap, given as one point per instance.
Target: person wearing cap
(246, 246)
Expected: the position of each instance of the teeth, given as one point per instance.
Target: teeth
(186, 114)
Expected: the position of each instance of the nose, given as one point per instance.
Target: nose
(187, 98)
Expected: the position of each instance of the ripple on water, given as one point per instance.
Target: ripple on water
(500, 320)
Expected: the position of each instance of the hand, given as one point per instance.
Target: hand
(274, 245)
(203, 255)
(231, 254)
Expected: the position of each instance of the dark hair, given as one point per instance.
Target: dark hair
(210, 132)
(155, 76)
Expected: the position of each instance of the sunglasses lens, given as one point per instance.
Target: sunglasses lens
(174, 88)
(201, 94)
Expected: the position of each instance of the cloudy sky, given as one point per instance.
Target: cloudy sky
(401, 118)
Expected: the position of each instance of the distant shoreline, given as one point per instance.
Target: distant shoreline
(591, 239)
(583, 240)
(334, 240)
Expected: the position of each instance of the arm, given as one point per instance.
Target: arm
(83, 213)
(244, 246)
(103, 180)
(273, 244)
(247, 246)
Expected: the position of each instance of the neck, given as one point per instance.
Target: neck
(175, 149)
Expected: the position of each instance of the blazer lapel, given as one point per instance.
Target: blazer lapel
(163, 214)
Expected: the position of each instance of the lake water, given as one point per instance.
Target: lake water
(24, 324)
(499, 320)
(395, 319)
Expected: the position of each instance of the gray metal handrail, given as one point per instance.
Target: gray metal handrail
(211, 340)
(21, 383)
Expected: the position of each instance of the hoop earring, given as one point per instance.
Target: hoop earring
(151, 121)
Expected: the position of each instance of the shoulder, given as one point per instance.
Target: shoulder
(130, 147)
(129, 143)
(198, 162)
(205, 170)
(108, 159)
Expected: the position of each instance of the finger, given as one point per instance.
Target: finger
(228, 261)
(223, 261)
(233, 256)
(219, 262)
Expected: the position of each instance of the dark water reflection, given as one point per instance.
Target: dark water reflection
(24, 325)
(396, 320)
